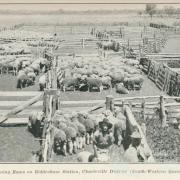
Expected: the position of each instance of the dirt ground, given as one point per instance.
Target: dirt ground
(16, 144)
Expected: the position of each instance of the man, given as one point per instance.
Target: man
(131, 154)
(103, 139)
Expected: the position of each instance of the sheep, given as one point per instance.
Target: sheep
(94, 83)
(21, 79)
(35, 123)
(25, 63)
(71, 134)
(117, 77)
(121, 89)
(36, 67)
(176, 121)
(59, 144)
(62, 125)
(70, 82)
(80, 135)
(134, 82)
(106, 82)
(42, 82)
(28, 70)
(119, 125)
(86, 156)
(31, 76)
(132, 62)
(89, 122)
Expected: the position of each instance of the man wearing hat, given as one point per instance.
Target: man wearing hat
(131, 154)
(103, 139)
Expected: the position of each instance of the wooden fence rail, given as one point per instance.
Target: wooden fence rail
(20, 108)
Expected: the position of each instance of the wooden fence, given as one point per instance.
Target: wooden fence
(135, 41)
(16, 112)
(110, 103)
(166, 78)
(144, 105)
(12, 27)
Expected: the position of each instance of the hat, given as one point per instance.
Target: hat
(105, 122)
(136, 135)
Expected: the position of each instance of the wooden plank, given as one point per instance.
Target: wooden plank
(171, 111)
(164, 59)
(133, 98)
(40, 103)
(24, 113)
(172, 97)
(172, 104)
(82, 102)
(17, 103)
(163, 54)
(137, 103)
(134, 124)
(19, 93)
(16, 121)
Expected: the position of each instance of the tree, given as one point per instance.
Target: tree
(169, 10)
(150, 9)
(139, 13)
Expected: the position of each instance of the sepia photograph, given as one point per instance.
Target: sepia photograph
(97, 83)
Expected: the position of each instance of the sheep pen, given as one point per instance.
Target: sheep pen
(98, 59)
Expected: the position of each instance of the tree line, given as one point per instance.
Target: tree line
(150, 9)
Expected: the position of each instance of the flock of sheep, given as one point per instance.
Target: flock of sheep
(24, 35)
(98, 74)
(29, 69)
(73, 131)
(14, 49)
(30, 38)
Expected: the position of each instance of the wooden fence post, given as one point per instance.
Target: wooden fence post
(120, 32)
(110, 103)
(139, 52)
(123, 107)
(83, 42)
(54, 78)
(130, 104)
(128, 45)
(59, 103)
(54, 104)
(124, 51)
(44, 103)
(143, 110)
(162, 113)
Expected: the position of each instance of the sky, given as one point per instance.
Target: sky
(80, 7)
